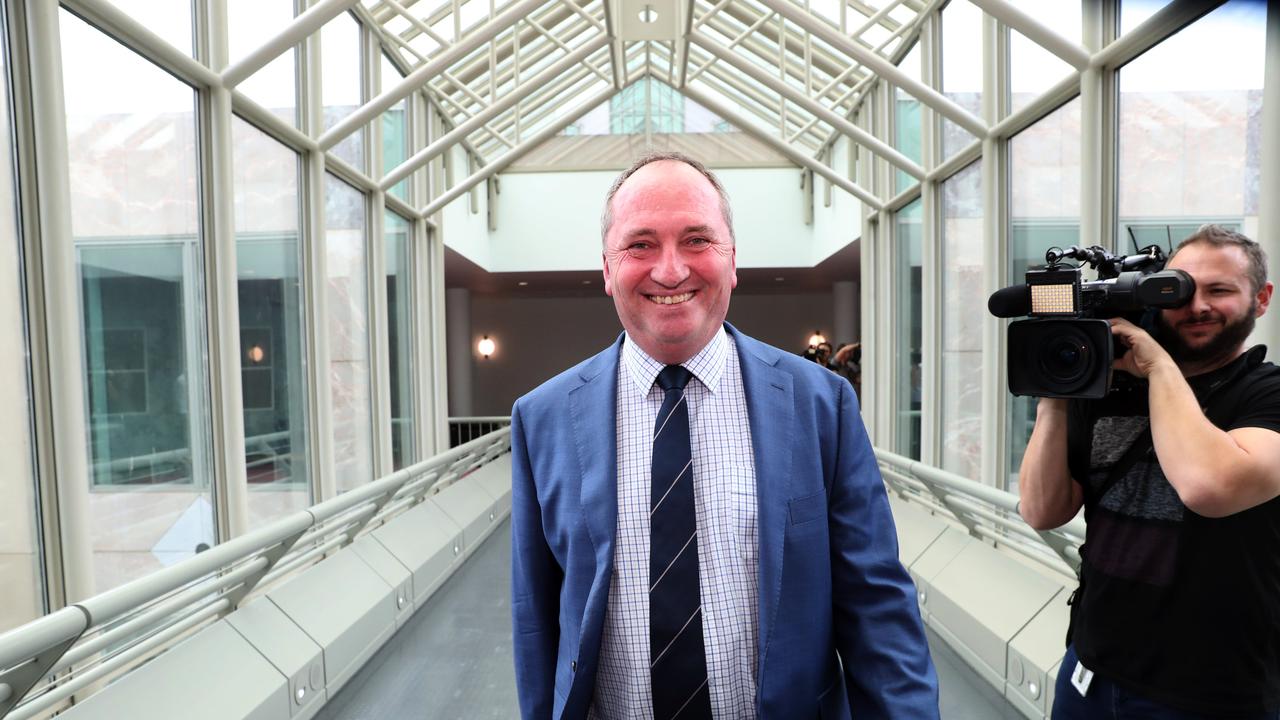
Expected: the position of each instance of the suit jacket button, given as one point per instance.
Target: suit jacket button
(573, 666)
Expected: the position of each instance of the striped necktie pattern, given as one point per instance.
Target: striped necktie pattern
(677, 655)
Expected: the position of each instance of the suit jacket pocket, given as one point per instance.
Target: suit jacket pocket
(808, 508)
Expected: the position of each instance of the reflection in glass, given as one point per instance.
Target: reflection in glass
(251, 24)
(21, 578)
(400, 339)
(962, 292)
(907, 279)
(341, 62)
(272, 369)
(136, 227)
(961, 69)
(1032, 69)
(395, 130)
(908, 121)
(1191, 129)
(349, 376)
(1044, 212)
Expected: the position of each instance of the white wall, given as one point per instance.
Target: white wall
(465, 231)
(836, 226)
(551, 221)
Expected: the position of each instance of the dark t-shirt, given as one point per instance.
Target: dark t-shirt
(1177, 607)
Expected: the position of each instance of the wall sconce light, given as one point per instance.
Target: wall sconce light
(256, 354)
(486, 346)
(816, 338)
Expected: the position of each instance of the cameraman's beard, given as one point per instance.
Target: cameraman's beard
(1231, 336)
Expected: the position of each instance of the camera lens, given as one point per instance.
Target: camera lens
(1066, 359)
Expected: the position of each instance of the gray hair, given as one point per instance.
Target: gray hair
(1219, 237)
(606, 218)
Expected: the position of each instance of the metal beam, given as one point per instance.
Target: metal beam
(517, 152)
(134, 35)
(419, 77)
(302, 26)
(877, 64)
(1269, 184)
(1036, 31)
(763, 77)
(505, 103)
(791, 153)
(1165, 22)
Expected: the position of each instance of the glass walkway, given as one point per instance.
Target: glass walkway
(453, 659)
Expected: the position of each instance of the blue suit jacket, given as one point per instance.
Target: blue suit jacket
(830, 579)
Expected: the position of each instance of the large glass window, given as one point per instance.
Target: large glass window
(400, 338)
(395, 130)
(348, 295)
(170, 20)
(22, 596)
(961, 69)
(272, 367)
(908, 323)
(1032, 69)
(342, 88)
(1044, 212)
(136, 225)
(1191, 129)
(962, 291)
(644, 106)
(250, 25)
(908, 121)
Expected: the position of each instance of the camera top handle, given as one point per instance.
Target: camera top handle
(1107, 265)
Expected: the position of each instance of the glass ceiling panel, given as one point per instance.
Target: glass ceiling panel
(747, 30)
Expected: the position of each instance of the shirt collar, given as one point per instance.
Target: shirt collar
(707, 365)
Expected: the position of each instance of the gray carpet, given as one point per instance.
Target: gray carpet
(452, 660)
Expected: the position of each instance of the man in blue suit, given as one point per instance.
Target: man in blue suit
(699, 527)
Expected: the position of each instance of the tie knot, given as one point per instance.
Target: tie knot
(673, 377)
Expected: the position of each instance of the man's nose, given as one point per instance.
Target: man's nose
(1200, 303)
(670, 269)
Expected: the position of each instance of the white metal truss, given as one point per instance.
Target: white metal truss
(502, 72)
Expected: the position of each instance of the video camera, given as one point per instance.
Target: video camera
(1066, 349)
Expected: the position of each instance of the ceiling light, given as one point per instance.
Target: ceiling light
(648, 15)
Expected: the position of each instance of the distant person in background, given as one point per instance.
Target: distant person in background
(699, 528)
(848, 362)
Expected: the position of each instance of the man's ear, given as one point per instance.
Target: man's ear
(1264, 298)
(608, 280)
(733, 264)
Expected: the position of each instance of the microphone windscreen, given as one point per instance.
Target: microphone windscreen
(1013, 301)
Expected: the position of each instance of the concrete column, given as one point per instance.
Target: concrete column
(458, 323)
(847, 310)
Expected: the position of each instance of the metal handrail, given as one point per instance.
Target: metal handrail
(986, 512)
(182, 456)
(51, 658)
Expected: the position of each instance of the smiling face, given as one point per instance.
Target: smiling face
(1211, 329)
(669, 260)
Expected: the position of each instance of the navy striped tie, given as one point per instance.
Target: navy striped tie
(677, 656)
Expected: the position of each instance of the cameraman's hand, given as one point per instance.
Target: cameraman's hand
(1144, 356)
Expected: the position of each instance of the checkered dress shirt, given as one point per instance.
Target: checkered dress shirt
(724, 487)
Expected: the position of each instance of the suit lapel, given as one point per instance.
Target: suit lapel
(593, 413)
(593, 409)
(770, 412)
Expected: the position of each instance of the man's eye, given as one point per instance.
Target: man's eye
(699, 241)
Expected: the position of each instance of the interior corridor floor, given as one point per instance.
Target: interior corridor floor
(452, 659)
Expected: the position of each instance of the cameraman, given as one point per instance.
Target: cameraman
(1178, 610)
